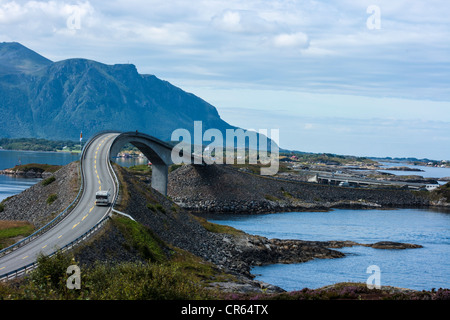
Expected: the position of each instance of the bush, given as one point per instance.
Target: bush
(138, 281)
(51, 198)
(125, 281)
(49, 278)
(49, 180)
(156, 207)
(142, 239)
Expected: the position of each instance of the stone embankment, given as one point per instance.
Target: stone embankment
(218, 189)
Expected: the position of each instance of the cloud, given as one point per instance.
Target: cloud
(274, 49)
(297, 40)
(242, 21)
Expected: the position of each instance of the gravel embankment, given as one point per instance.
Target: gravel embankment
(31, 205)
(224, 189)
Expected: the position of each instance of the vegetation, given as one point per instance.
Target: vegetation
(142, 239)
(13, 229)
(141, 168)
(438, 194)
(184, 277)
(217, 228)
(443, 192)
(51, 198)
(37, 167)
(49, 180)
(173, 276)
(271, 198)
(126, 281)
(33, 144)
(156, 207)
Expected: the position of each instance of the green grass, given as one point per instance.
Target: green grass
(12, 229)
(37, 167)
(141, 239)
(141, 168)
(217, 228)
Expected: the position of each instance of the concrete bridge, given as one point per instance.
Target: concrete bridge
(158, 152)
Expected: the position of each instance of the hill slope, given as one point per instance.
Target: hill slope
(58, 100)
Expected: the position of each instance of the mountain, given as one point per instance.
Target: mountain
(57, 100)
(14, 57)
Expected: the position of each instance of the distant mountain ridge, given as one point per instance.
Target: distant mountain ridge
(14, 57)
(57, 100)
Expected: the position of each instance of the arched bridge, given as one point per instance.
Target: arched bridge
(158, 152)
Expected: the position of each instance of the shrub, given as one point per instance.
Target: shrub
(142, 239)
(49, 180)
(156, 207)
(51, 198)
(160, 208)
(50, 276)
(271, 198)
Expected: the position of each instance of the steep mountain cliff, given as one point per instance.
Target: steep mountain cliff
(57, 100)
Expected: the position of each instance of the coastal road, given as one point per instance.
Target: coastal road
(84, 216)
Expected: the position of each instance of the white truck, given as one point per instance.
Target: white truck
(102, 198)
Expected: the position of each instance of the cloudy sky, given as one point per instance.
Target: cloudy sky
(368, 78)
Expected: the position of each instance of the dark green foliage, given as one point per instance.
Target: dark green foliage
(126, 281)
(141, 239)
(49, 180)
(51, 198)
(156, 207)
(34, 144)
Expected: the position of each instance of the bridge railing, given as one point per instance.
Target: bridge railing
(25, 269)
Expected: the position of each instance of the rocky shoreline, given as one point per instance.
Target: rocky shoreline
(26, 174)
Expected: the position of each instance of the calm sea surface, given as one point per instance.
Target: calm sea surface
(424, 268)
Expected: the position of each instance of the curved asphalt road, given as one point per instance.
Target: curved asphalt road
(83, 217)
